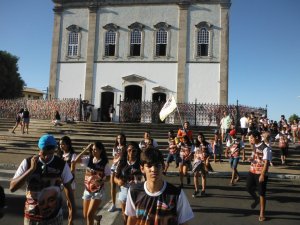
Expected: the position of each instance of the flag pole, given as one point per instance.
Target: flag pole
(179, 116)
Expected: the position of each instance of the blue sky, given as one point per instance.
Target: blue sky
(264, 49)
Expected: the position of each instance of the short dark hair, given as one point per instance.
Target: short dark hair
(151, 156)
(255, 134)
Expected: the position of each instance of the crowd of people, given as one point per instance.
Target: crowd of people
(137, 171)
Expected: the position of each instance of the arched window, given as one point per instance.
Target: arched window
(161, 42)
(203, 42)
(73, 41)
(203, 39)
(161, 39)
(110, 40)
(136, 42)
(110, 43)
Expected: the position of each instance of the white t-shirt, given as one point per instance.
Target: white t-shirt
(183, 208)
(244, 122)
(66, 175)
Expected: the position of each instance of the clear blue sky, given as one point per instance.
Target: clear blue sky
(264, 49)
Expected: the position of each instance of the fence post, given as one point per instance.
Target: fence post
(120, 110)
(80, 108)
(195, 112)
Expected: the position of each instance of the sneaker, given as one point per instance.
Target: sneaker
(188, 180)
(112, 208)
(195, 194)
(202, 193)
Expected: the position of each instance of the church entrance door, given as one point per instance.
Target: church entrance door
(158, 101)
(133, 93)
(107, 99)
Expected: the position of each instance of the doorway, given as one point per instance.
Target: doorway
(133, 93)
(107, 99)
(158, 101)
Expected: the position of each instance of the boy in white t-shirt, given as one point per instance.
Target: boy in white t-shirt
(156, 201)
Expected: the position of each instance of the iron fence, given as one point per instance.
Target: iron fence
(197, 114)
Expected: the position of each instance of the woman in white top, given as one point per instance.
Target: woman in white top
(118, 149)
(97, 172)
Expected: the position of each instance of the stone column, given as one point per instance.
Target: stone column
(182, 51)
(224, 53)
(55, 51)
(89, 73)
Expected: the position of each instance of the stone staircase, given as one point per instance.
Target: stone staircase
(82, 133)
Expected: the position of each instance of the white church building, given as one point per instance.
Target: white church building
(146, 50)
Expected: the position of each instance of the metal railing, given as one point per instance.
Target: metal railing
(197, 114)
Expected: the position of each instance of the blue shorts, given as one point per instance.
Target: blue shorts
(90, 195)
(26, 120)
(234, 162)
(123, 194)
(172, 157)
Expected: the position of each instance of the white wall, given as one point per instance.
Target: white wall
(71, 80)
(203, 82)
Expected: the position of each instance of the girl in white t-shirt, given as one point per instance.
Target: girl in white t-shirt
(97, 172)
(68, 154)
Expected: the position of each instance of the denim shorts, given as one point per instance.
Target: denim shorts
(90, 195)
(172, 157)
(234, 162)
(123, 194)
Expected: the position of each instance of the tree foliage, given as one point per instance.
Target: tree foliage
(293, 117)
(11, 83)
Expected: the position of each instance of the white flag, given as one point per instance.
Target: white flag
(168, 108)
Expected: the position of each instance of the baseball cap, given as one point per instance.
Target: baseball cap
(47, 141)
(232, 132)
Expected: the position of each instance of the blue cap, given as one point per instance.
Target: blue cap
(47, 141)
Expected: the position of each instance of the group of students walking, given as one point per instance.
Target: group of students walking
(137, 173)
(145, 197)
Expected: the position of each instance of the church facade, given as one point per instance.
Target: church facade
(144, 50)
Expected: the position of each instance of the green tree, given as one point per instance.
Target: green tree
(293, 117)
(11, 82)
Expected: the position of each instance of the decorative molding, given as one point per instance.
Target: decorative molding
(136, 25)
(204, 24)
(160, 89)
(74, 28)
(111, 26)
(134, 78)
(108, 88)
(163, 25)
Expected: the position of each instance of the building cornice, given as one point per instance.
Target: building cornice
(99, 3)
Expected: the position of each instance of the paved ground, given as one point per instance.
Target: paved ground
(223, 204)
